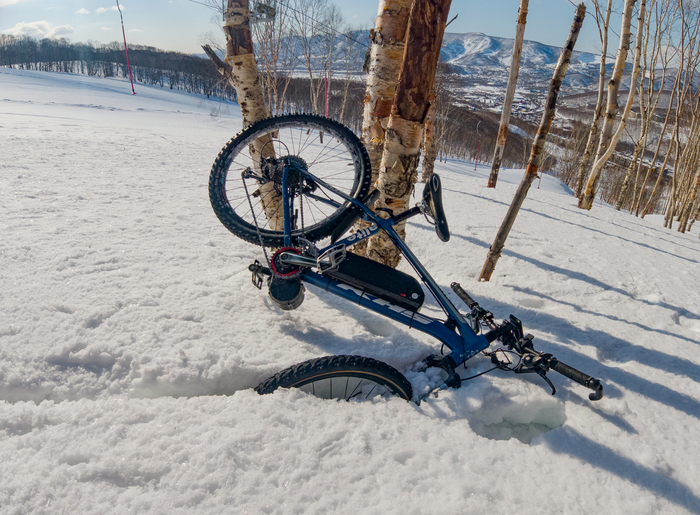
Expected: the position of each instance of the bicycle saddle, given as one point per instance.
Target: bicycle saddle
(432, 199)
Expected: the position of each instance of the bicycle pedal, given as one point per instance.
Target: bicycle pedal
(257, 276)
(331, 259)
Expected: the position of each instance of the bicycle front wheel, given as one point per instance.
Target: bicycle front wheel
(341, 377)
(245, 185)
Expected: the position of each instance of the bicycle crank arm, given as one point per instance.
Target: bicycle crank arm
(289, 258)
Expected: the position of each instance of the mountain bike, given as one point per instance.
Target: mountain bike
(290, 182)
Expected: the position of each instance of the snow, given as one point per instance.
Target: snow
(131, 338)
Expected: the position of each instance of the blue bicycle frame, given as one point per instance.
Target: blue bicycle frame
(454, 332)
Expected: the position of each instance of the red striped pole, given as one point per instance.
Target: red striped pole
(126, 49)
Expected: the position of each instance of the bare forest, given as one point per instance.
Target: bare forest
(631, 142)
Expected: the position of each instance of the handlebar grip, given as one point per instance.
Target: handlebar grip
(579, 377)
(466, 298)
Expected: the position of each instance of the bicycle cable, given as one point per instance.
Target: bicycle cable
(502, 365)
(257, 227)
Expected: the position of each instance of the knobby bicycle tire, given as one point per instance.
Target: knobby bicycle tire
(328, 149)
(353, 377)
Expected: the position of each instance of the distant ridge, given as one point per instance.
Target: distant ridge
(476, 48)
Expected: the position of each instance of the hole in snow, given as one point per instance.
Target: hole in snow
(502, 418)
(498, 410)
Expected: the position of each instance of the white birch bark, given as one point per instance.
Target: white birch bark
(605, 148)
(510, 94)
(598, 111)
(535, 160)
(404, 134)
(245, 79)
(388, 42)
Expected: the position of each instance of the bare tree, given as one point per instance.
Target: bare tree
(510, 94)
(442, 107)
(276, 56)
(351, 56)
(537, 147)
(648, 95)
(688, 62)
(240, 68)
(598, 111)
(588, 196)
(308, 24)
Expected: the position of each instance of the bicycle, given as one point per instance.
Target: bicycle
(263, 190)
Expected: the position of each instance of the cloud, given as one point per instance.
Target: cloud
(5, 3)
(105, 9)
(82, 11)
(105, 29)
(40, 29)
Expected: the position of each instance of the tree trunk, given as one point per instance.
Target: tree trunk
(690, 204)
(659, 177)
(510, 93)
(533, 163)
(640, 196)
(630, 96)
(598, 112)
(388, 43)
(397, 171)
(630, 171)
(586, 200)
(429, 141)
(383, 64)
(239, 55)
(240, 68)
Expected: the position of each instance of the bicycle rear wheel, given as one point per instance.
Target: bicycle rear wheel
(245, 184)
(341, 377)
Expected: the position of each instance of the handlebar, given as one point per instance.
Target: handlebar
(511, 334)
(579, 377)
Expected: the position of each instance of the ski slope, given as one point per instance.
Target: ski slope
(131, 338)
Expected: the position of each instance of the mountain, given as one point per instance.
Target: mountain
(477, 49)
(487, 58)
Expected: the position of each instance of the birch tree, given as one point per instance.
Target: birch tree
(688, 62)
(240, 68)
(388, 39)
(404, 131)
(537, 147)
(648, 95)
(602, 155)
(510, 94)
(667, 118)
(598, 111)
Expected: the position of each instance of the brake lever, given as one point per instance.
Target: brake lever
(535, 362)
(543, 375)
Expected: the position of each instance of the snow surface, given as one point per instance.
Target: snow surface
(130, 339)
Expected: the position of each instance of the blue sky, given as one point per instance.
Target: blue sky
(180, 24)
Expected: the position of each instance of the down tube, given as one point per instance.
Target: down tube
(435, 328)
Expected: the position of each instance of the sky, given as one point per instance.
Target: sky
(181, 24)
